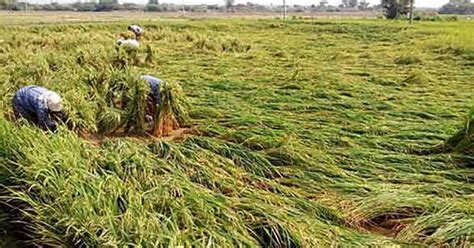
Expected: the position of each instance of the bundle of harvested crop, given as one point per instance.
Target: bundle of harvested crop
(135, 109)
(463, 140)
(126, 35)
(109, 120)
(171, 113)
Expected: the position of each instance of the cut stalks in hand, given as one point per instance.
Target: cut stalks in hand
(135, 109)
(171, 113)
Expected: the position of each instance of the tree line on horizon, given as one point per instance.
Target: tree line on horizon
(392, 9)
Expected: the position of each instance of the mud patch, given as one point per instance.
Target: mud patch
(389, 228)
(391, 224)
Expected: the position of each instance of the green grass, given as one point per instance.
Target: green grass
(305, 132)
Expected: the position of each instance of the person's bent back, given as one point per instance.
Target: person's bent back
(153, 98)
(154, 84)
(37, 104)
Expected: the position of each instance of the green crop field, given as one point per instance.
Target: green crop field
(305, 133)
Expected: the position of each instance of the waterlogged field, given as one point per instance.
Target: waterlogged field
(307, 133)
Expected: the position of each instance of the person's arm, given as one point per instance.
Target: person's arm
(43, 118)
(151, 105)
(62, 116)
(45, 121)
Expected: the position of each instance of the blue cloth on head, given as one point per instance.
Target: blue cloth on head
(30, 103)
(154, 84)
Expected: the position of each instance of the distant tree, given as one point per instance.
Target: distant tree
(56, 7)
(108, 1)
(396, 8)
(212, 7)
(363, 4)
(459, 1)
(349, 3)
(153, 8)
(107, 5)
(323, 3)
(464, 9)
(4, 4)
(88, 6)
(229, 3)
(155, 2)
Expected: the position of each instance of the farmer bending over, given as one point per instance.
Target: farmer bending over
(137, 30)
(39, 106)
(153, 98)
(128, 44)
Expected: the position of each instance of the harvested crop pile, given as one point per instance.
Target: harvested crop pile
(463, 140)
(419, 78)
(121, 98)
(172, 113)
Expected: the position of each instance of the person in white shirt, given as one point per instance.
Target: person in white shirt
(128, 43)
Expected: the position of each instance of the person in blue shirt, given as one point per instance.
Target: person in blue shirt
(153, 99)
(39, 106)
